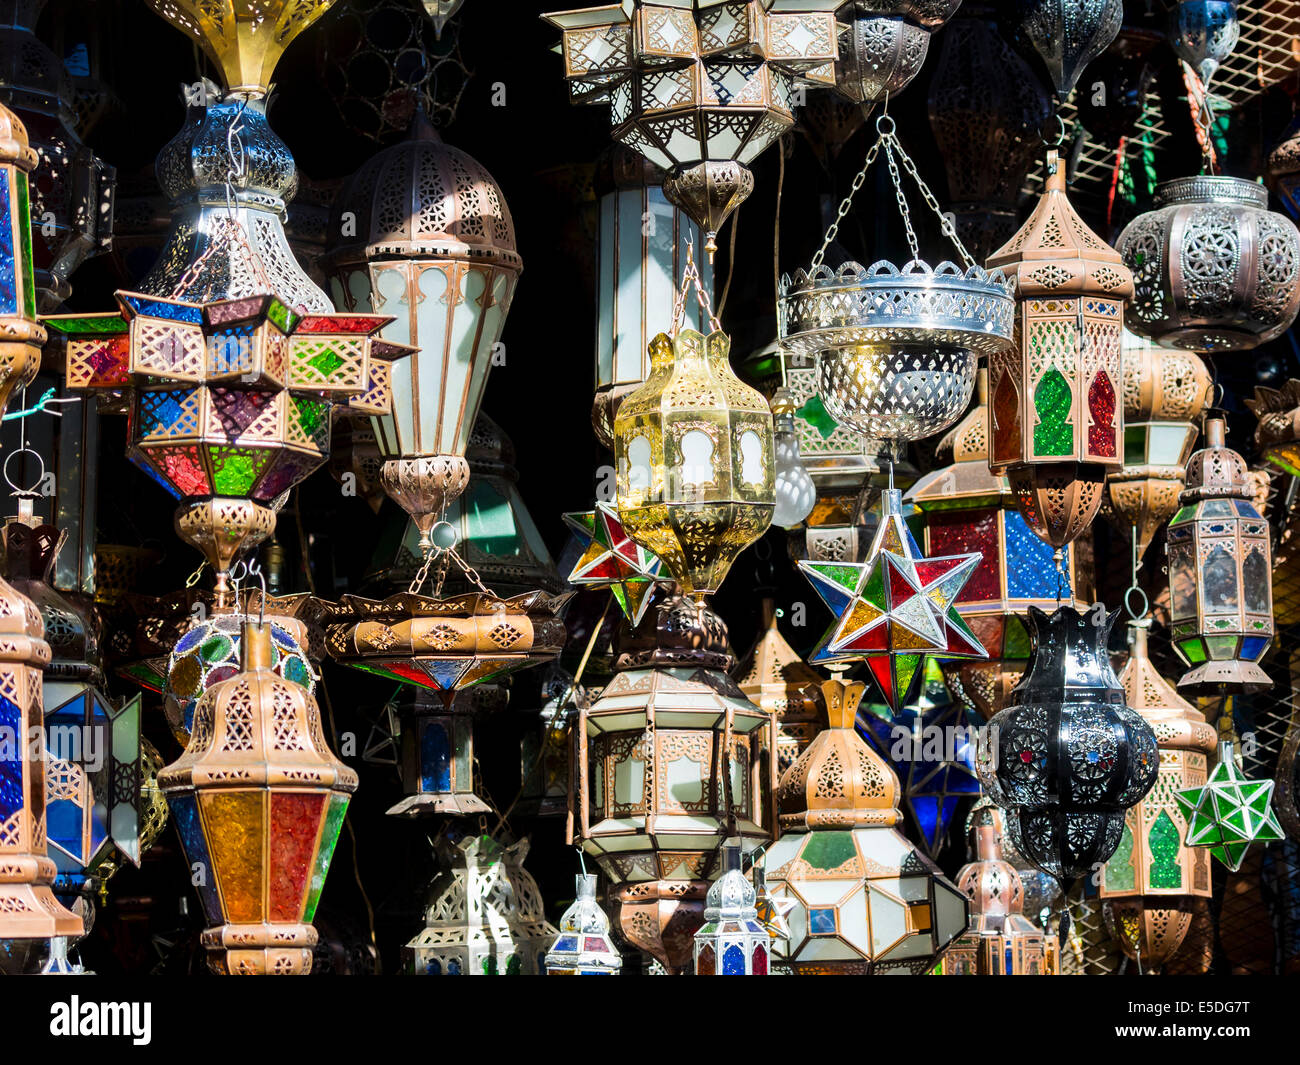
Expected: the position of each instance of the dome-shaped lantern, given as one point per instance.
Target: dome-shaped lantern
(1068, 34)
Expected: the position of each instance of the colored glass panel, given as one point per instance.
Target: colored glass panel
(189, 825)
(1164, 843)
(821, 921)
(1193, 650)
(151, 307)
(435, 758)
(1053, 435)
(1031, 570)
(329, 838)
(760, 960)
(828, 849)
(966, 532)
(182, 469)
(1252, 647)
(704, 963)
(1120, 873)
(235, 470)
(295, 818)
(1006, 419)
(234, 823)
(1101, 407)
(24, 223)
(8, 276)
(733, 961)
(12, 744)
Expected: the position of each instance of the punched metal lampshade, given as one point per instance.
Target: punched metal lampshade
(1068, 34)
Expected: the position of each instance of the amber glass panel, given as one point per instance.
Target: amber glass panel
(295, 821)
(235, 825)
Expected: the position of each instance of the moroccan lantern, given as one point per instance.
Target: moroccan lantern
(670, 761)
(1284, 170)
(1277, 436)
(441, 12)
(612, 559)
(1056, 423)
(584, 946)
(865, 900)
(1067, 758)
(732, 941)
(1220, 574)
(445, 266)
(1164, 392)
(1152, 879)
(1068, 34)
(1215, 269)
(259, 800)
(1204, 33)
(1042, 894)
(544, 750)
(884, 44)
(1001, 940)
(1229, 812)
(796, 494)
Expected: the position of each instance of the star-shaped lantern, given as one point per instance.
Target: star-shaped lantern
(613, 560)
(1229, 812)
(895, 608)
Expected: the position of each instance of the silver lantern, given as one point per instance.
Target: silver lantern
(1215, 270)
(884, 44)
(1204, 33)
(1070, 34)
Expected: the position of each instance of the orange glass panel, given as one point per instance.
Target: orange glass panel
(235, 824)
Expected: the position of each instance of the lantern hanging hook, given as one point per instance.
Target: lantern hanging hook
(1136, 588)
(18, 490)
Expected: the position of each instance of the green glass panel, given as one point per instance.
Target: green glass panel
(279, 314)
(235, 472)
(1016, 644)
(1164, 843)
(25, 229)
(90, 323)
(312, 414)
(325, 362)
(1221, 648)
(828, 850)
(814, 412)
(874, 590)
(1193, 650)
(489, 521)
(1120, 873)
(329, 837)
(1053, 435)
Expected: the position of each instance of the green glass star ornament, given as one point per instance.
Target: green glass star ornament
(613, 560)
(1229, 812)
(895, 608)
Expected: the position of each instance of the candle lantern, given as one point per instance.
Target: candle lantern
(1067, 758)
(732, 942)
(1069, 34)
(1220, 574)
(1152, 879)
(1215, 269)
(884, 44)
(865, 901)
(1056, 423)
(259, 800)
(584, 946)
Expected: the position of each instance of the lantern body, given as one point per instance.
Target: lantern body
(884, 45)
(1220, 574)
(21, 353)
(437, 756)
(544, 750)
(732, 941)
(693, 453)
(1069, 34)
(1229, 812)
(1067, 758)
(1277, 436)
(796, 495)
(1284, 171)
(1215, 269)
(584, 946)
(1204, 33)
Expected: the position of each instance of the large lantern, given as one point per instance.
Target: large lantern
(1216, 270)
(259, 801)
(1068, 34)
(1150, 882)
(1056, 424)
(1067, 758)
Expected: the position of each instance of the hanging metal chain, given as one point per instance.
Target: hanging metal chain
(945, 223)
(443, 557)
(691, 276)
(912, 244)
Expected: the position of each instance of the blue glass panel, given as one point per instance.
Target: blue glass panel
(12, 744)
(1031, 570)
(63, 825)
(733, 961)
(153, 474)
(821, 922)
(434, 968)
(445, 672)
(1009, 969)
(185, 812)
(190, 640)
(925, 809)
(282, 638)
(566, 943)
(156, 308)
(1245, 508)
(1253, 646)
(435, 758)
(8, 281)
(453, 968)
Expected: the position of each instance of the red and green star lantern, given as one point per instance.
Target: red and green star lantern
(613, 560)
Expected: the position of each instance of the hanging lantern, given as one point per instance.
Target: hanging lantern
(584, 946)
(1229, 812)
(437, 751)
(612, 559)
(1204, 33)
(1220, 574)
(441, 12)
(1042, 894)
(796, 495)
(544, 750)
(1151, 881)
(865, 901)
(966, 508)
(884, 45)
(259, 800)
(671, 760)
(1067, 758)
(1277, 436)
(777, 680)
(1000, 941)
(693, 456)
(1164, 393)
(1284, 170)
(1215, 269)
(1069, 34)
(486, 917)
(1055, 420)
(699, 88)
(731, 942)
(445, 265)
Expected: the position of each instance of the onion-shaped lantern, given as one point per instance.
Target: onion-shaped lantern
(1164, 392)
(1067, 758)
(699, 88)
(1220, 574)
(1056, 424)
(1215, 270)
(884, 44)
(1151, 880)
(584, 946)
(1068, 34)
(1204, 33)
(732, 941)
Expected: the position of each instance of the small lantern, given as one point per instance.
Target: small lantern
(1055, 421)
(1277, 436)
(259, 801)
(1203, 33)
(884, 45)
(584, 946)
(544, 750)
(731, 942)
(612, 559)
(796, 495)
(20, 358)
(1220, 574)
(1067, 758)
(1151, 880)
(1069, 34)
(1000, 941)
(1229, 812)
(1042, 893)
(437, 755)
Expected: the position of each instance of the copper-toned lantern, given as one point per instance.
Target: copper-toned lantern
(1277, 436)
(259, 801)
(1150, 881)
(1056, 420)
(1220, 574)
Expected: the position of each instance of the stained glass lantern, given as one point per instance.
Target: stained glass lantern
(1215, 269)
(612, 559)
(796, 495)
(437, 751)
(1165, 392)
(584, 946)
(699, 88)
(1067, 758)
(1068, 34)
(731, 942)
(545, 750)
(1277, 436)
(259, 800)
(1204, 33)
(967, 508)
(884, 44)
(20, 357)
(1229, 812)
(1055, 420)
(1001, 940)
(485, 917)
(865, 900)
(1151, 881)
(777, 680)
(444, 264)
(671, 760)
(1220, 574)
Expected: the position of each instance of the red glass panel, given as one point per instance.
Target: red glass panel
(1101, 407)
(1006, 420)
(237, 310)
(340, 323)
(705, 964)
(593, 943)
(962, 532)
(183, 469)
(295, 822)
(760, 960)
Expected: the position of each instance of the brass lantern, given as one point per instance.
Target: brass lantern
(1277, 436)
(1056, 422)
(1165, 391)
(259, 800)
(1220, 574)
(1151, 881)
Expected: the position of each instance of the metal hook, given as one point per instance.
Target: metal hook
(255, 570)
(24, 492)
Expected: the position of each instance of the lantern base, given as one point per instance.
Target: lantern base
(1210, 678)
(221, 528)
(452, 804)
(661, 917)
(424, 488)
(30, 911)
(260, 949)
(709, 192)
(1209, 339)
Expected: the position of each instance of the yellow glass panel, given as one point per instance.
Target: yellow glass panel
(235, 824)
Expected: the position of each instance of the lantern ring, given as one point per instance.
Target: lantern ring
(443, 536)
(885, 125)
(33, 490)
(1146, 603)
